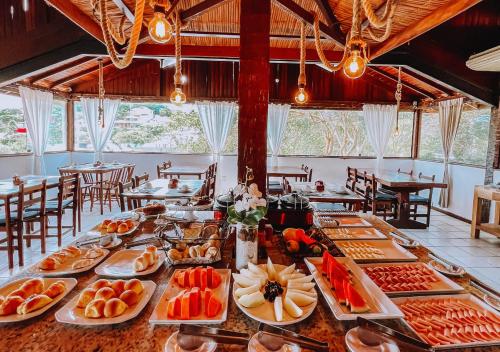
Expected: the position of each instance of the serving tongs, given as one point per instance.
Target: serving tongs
(192, 337)
(273, 338)
(373, 334)
(452, 268)
(404, 241)
(93, 240)
(490, 297)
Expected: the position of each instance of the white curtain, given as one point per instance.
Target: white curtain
(450, 112)
(277, 117)
(379, 120)
(99, 136)
(217, 118)
(37, 108)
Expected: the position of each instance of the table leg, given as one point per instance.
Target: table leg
(476, 216)
(403, 220)
(101, 192)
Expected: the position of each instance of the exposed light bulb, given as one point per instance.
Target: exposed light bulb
(159, 29)
(301, 96)
(355, 65)
(26, 5)
(184, 79)
(177, 97)
(12, 11)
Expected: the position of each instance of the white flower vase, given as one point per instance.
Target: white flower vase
(247, 244)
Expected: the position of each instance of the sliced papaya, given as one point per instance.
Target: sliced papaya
(206, 299)
(197, 273)
(194, 302)
(203, 279)
(209, 276)
(216, 279)
(185, 305)
(171, 307)
(192, 278)
(214, 306)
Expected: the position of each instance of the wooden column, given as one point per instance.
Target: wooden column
(253, 89)
(492, 157)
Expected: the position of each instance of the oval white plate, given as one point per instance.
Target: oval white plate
(14, 285)
(354, 344)
(121, 264)
(265, 312)
(172, 346)
(71, 314)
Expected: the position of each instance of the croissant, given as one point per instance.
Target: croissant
(10, 304)
(55, 289)
(33, 303)
(134, 285)
(82, 263)
(95, 309)
(114, 307)
(19, 292)
(60, 256)
(105, 293)
(33, 286)
(86, 296)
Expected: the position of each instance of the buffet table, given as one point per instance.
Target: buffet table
(44, 333)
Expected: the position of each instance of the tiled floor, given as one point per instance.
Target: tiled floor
(447, 237)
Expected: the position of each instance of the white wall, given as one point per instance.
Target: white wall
(22, 164)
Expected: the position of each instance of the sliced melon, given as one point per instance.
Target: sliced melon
(307, 293)
(288, 270)
(246, 290)
(247, 273)
(271, 270)
(324, 264)
(357, 303)
(257, 270)
(300, 299)
(244, 281)
(304, 278)
(292, 309)
(301, 286)
(283, 278)
(339, 291)
(278, 308)
(252, 300)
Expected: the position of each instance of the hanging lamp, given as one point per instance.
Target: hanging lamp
(160, 30)
(301, 97)
(100, 107)
(177, 96)
(397, 95)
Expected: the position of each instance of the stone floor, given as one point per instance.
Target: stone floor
(447, 237)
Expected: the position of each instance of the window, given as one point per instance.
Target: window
(153, 127)
(471, 142)
(339, 133)
(14, 138)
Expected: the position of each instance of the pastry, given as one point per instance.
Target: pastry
(153, 209)
(105, 293)
(174, 255)
(118, 286)
(101, 283)
(140, 264)
(122, 228)
(134, 285)
(105, 224)
(95, 309)
(130, 297)
(94, 253)
(9, 306)
(19, 292)
(86, 296)
(130, 223)
(55, 289)
(152, 249)
(82, 263)
(33, 286)
(150, 258)
(61, 257)
(33, 303)
(49, 263)
(112, 227)
(72, 251)
(114, 307)
(211, 252)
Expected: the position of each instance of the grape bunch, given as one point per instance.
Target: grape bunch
(272, 290)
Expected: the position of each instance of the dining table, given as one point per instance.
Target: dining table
(159, 189)
(178, 171)
(8, 189)
(98, 170)
(402, 185)
(332, 193)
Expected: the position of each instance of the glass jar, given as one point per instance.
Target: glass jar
(247, 241)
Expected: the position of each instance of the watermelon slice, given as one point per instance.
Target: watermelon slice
(203, 279)
(194, 302)
(216, 279)
(357, 303)
(210, 270)
(214, 306)
(344, 287)
(207, 294)
(197, 273)
(185, 305)
(339, 290)
(324, 264)
(192, 278)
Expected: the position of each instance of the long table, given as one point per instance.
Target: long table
(9, 189)
(45, 334)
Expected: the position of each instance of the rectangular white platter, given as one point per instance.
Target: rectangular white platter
(14, 285)
(160, 316)
(96, 231)
(392, 252)
(354, 233)
(71, 314)
(65, 268)
(381, 305)
(121, 264)
(472, 301)
(340, 221)
(443, 285)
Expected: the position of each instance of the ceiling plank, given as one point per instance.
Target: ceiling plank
(435, 18)
(70, 10)
(336, 35)
(327, 11)
(59, 68)
(405, 84)
(199, 9)
(79, 75)
(125, 10)
(379, 12)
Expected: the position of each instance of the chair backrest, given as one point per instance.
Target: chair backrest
(68, 189)
(19, 199)
(37, 195)
(122, 187)
(409, 173)
(139, 180)
(428, 178)
(351, 178)
(286, 186)
(210, 187)
(163, 166)
(115, 177)
(88, 178)
(309, 178)
(127, 173)
(431, 189)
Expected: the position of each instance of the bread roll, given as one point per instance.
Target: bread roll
(112, 227)
(95, 309)
(33, 286)
(55, 289)
(33, 303)
(122, 228)
(19, 292)
(118, 286)
(130, 223)
(82, 263)
(48, 263)
(105, 293)
(174, 254)
(140, 264)
(152, 249)
(101, 283)
(114, 307)
(72, 251)
(86, 296)
(150, 258)
(130, 297)
(61, 257)
(134, 285)
(10, 304)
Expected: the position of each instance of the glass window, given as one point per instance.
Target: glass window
(471, 142)
(14, 137)
(399, 145)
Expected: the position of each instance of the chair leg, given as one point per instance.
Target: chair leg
(28, 232)
(74, 213)
(91, 194)
(20, 251)
(43, 226)
(59, 229)
(10, 247)
(415, 212)
(109, 199)
(428, 215)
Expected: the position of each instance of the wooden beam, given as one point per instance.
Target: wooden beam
(405, 84)
(435, 18)
(73, 12)
(336, 35)
(199, 9)
(125, 10)
(59, 68)
(417, 127)
(327, 11)
(227, 35)
(79, 75)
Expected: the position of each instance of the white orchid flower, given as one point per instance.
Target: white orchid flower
(257, 202)
(239, 206)
(239, 189)
(253, 190)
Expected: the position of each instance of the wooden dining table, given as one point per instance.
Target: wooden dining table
(178, 171)
(99, 171)
(158, 189)
(331, 194)
(8, 189)
(403, 185)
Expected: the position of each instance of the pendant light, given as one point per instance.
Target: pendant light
(177, 96)
(397, 95)
(160, 30)
(301, 97)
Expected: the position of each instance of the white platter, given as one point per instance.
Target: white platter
(443, 285)
(354, 344)
(97, 232)
(265, 312)
(121, 264)
(392, 251)
(472, 301)
(172, 346)
(71, 314)
(443, 270)
(14, 285)
(383, 307)
(354, 233)
(160, 316)
(65, 268)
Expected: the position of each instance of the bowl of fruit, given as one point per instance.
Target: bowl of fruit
(298, 242)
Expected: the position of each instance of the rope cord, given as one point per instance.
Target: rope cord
(319, 49)
(117, 34)
(178, 67)
(387, 32)
(134, 36)
(100, 107)
(374, 20)
(302, 74)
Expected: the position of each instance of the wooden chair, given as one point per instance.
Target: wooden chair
(86, 187)
(138, 181)
(109, 188)
(309, 177)
(122, 187)
(127, 173)
(418, 199)
(210, 187)
(351, 178)
(34, 212)
(162, 167)
(381, 204)
(11, 223)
